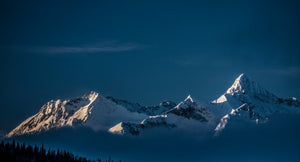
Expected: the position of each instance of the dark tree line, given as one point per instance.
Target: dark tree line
(22, 153)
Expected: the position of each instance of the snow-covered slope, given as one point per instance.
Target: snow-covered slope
(136, 128)
(92, 110)
(191, 110)
(188, 115)
(149, 110)
(245, 100)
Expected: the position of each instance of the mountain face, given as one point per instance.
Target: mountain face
(56, 114)
(149, 110)
(185, 113)
(91, 110)
(190, 110)
(136, 128)
(245, 100)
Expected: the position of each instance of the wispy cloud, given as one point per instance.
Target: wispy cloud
(98, 48)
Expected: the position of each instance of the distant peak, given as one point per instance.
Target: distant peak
(241, 83)
(242, 78)
(244, 84)
(93, 92)
(242, 75)
(91, 95)
(189, 99)
(186, 103)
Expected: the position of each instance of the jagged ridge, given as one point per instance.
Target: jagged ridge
(244, 100)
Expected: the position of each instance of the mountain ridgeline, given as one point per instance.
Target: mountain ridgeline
(245, 101)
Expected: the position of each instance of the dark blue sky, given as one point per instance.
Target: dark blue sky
(142, 51)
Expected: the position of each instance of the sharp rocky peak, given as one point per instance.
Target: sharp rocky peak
(245, 99)
(189, 99)
(244, 85)
(187, 103)
(91, 95)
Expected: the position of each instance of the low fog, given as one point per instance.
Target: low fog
(276, 140)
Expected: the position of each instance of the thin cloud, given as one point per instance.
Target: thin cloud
(290, 71)
(100, 48)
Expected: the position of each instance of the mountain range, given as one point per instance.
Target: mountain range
(244, 101)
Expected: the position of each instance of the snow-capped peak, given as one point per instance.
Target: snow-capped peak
(91, 96)
(188, 102)
(91, 110)
(189, 99)
(244, 100)
(244, 85)
(241, 83)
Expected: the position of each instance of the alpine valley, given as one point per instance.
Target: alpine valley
(244, 102)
